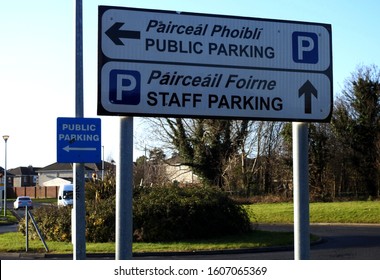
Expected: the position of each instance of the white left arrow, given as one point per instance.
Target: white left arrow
(68, 149)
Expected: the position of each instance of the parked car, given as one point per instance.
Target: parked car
(22, 202)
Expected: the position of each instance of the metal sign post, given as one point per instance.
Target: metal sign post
(124, 190)
(26, 229)
(301, 191)
(79, 227)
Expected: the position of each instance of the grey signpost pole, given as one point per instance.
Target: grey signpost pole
(5, 137)
(79, 225)
(301, 191)
(26, 229)
(124, 189)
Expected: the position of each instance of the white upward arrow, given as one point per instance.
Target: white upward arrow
(68, 149)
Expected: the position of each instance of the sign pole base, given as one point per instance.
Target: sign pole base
(124, 190)
(79, 225)
(301, 191)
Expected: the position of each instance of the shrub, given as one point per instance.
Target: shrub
(54, 223)
(174, 213)
(159, 214)
(100, 221)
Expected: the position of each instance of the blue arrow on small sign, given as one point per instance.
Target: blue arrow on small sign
(78, 140)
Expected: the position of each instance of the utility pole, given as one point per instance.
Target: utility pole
(301, 191)
(124, 190)
(79, 210)
(5, 137)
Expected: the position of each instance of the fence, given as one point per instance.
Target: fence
(33, 192)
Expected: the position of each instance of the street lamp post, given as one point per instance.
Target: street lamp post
(5, 137)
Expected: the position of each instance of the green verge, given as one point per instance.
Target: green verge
(15, 242)
(321, 212)
(9, 219)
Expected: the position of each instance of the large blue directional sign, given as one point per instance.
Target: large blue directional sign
(78, 140)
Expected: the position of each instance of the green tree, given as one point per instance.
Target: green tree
(357, 121)
(140, 170)
(319, 153)
(206, 144)
(97, 190)
(319, 157)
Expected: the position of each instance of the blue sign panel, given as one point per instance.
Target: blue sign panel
(78, 140)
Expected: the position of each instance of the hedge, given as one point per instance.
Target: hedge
(167, 213)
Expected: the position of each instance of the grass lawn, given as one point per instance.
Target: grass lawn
(321, 212)
(8, 219)
(15, 242)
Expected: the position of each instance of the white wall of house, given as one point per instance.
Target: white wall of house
(64, 174)
(181, 174)
(49, 175)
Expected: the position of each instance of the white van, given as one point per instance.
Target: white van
(65, 195)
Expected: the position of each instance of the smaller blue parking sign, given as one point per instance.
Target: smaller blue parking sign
(78, 140)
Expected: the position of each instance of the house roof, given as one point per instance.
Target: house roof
(69, 166)
(174, 160)
(56, 166)
(2, 172)
(24, 171)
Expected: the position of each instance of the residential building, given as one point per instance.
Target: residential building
(9, 178)
(176, 171)
(65, 171)
(24, 176)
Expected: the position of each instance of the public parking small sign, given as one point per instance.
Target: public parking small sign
(78, 140)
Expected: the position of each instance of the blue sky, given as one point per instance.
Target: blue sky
(37, 61)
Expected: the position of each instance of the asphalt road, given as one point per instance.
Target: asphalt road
(347, 242)
(339, 242)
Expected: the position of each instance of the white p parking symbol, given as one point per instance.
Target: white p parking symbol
(124, 87)
(126, 83)
(305, 47)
